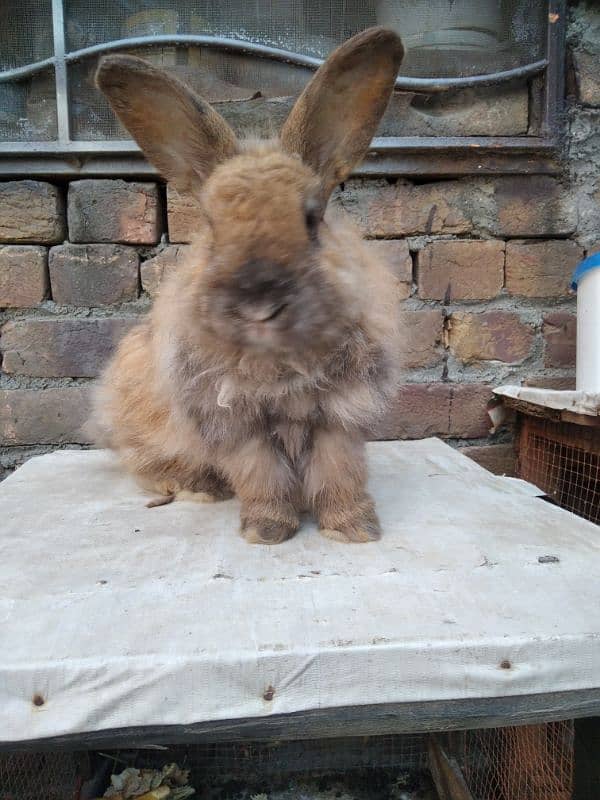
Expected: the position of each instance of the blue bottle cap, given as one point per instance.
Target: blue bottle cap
(589, 263)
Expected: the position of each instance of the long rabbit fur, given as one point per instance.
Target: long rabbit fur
(274, 346)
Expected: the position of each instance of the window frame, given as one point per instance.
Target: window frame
(413, 156)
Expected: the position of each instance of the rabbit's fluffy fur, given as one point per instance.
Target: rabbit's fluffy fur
(273, 347)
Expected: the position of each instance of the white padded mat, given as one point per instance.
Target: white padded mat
(118, 615)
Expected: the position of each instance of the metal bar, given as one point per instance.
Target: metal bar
(554, 86)
(460, 143)
(437, 85)
(18, 73)
(428, 85)
(536, 105)
(60, 71)
(434, 163)
(217, 42)
(448, 164)
(379, 145)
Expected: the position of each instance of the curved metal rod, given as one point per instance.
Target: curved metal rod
(437, 85)
(429, 85)
(18, 73)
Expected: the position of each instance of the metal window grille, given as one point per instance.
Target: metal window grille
(48, 51)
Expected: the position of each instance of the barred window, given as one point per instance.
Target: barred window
(479, 89)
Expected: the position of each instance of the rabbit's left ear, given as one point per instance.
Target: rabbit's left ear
(336, 116)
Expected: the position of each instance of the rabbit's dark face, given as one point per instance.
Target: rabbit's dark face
(265, 286)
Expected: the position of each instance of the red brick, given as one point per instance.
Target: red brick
(31, 211)
(460, 270)
(437, 409)
(184, 217)
(490, 336)
(468, 411)
(560, 334)
(563, 383)
(395, 253)
(541, 269)
(23, 276)
(535, 205)
(532, 205)
(114, 211)
(46, 416)
(60, 347)
(421, 335)
(420, 410)
(500, 459)
(404, 209)
(93, 274)
(155, 269)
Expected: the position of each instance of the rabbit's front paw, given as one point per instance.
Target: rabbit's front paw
(268, 532)
(362, 526)
(269, 528)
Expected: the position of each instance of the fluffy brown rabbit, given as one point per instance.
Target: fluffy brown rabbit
(269, 352)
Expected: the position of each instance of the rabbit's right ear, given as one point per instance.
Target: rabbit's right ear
(179, 132)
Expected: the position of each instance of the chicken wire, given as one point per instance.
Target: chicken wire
(529, 762)
(256, 760)
(39, 776)
(563, 460)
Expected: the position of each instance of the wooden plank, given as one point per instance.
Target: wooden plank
(447, 776)
(373, 720)
(555, 414)
(580, 419)
(531, 409)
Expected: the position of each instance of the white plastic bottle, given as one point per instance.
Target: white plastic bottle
(586, 280)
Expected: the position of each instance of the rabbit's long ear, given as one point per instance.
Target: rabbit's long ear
(179, 132)
(336, 116)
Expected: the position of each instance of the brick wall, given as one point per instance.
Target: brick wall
(483, 265)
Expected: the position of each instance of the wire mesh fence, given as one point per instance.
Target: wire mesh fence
(318, 756)
(562, 459)
(40, 776)
(531, 762)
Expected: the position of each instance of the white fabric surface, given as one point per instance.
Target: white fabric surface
(120, 615)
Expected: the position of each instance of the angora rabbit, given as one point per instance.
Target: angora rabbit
(272, 348)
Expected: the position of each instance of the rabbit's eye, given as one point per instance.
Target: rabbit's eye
(311, 220)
